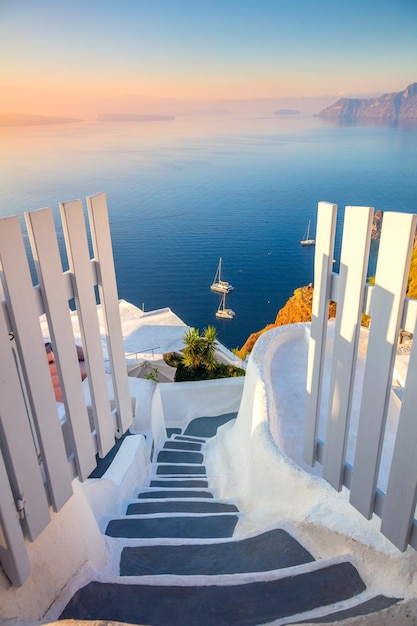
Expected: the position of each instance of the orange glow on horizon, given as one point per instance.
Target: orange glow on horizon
(76, 100)
(81, 59)
(86, 99)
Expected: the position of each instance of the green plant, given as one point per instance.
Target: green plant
(199, 351)
(186, 374)
(199, 358)
(153, 375)
(209, 348)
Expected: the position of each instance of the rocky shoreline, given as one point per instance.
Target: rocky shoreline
(298, 308)
(389, 106)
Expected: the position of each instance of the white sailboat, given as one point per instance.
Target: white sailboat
(219, 285)
(223, 312)
(307, 240)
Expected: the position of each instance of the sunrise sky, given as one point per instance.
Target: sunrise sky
(83, 57)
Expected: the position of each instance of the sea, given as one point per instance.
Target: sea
(182, 193)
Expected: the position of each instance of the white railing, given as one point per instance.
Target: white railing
(390, 312)
(39, 454)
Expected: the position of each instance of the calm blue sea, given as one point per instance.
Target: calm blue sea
(183, 193)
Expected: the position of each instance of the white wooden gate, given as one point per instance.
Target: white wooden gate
(390, 311)
(36, 464)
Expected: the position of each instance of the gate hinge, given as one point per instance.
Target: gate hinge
(20, 507)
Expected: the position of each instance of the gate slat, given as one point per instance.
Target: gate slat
(14, 557)
(17, 442)
(352, 278)
(49, 270)
(400, 500)
(323, 265)
(79, 260)
(23, 312)
(397, 235)
(409, 319)
(103, 252)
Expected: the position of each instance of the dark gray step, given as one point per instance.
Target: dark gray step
(172, 493)
(183, 438)
(247, 604)
(272, 550)
(178, 482)
(195, 527)
(182, 445)
(179, 456)
(104, 463)
(207, 426)
(173, 431)
(373, 605)
(181, 469)
(180, 506)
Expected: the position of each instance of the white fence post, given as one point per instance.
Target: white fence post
(24, 315)
(400, 500)
(351, 288)
(83, 284)
(49, 271)
(106, 278)
(395, 247)
(16, 442)
(14, 557)
(323, 266)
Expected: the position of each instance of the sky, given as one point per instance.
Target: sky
(84, 57)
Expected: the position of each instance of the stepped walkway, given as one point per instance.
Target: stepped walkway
(180, 565)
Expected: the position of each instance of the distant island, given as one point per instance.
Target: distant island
(286, 112)
(128, 117)
(21, 119)
(215, 112)
(390, 106)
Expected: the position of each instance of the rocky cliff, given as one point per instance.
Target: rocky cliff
(296, 309)
(390, 106)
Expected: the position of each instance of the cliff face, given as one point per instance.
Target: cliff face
(297, 309)
(390, 106)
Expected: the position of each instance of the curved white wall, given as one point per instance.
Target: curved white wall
(246, 464)
(182, 402)
(252, 464)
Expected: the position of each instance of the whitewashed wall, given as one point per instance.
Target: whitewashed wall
(182, 402)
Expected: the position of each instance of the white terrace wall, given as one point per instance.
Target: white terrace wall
(182, 402)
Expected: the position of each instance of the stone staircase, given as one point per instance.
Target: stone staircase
(178, 563)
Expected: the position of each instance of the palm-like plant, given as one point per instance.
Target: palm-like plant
(209, 351)
(199, 351)
(193, 348)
